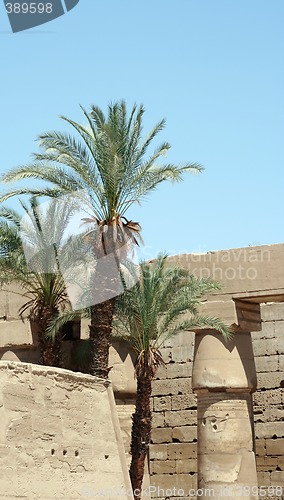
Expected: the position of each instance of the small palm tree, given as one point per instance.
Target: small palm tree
(104, 167)
(36, 238)
(163, 302)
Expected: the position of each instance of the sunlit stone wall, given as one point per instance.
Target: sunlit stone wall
(59, 436)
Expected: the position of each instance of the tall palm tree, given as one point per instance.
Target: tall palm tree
(163, 302)
(30, 250)
(105, 167)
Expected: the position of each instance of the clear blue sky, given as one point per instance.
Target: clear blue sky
(213, 68)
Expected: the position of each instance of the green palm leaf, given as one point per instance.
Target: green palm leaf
(163, 302)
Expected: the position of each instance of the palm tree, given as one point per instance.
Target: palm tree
(29, 257)
(163, 302)
(104, 167)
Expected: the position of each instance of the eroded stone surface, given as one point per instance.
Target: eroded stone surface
(219, 364)
(60, 436)
(223, 378)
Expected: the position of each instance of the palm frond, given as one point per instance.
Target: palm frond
(106, 158)
(30, 250)
(57, 323)
(155, 307)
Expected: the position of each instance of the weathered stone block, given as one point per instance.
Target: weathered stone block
(171, 387)
(273, 414)
(267, 363)
(269, 380)
(161, 372)
(267, 398)
(187, 466)
(166, 353)
(18, 397)
(158, 452)
(272, 312)
(263, 479)
(164, 467)
(269, 429)
(15, 333)
(47, 427)
(277, 479)
(194, 482)
(180, 451)
(163, 435)
(162, 403)
(179, 418)
(281, 363)
(264, 347)
(267, 331)
(269, 462)
(184, 402)
(4, 451)
(279, 328)
(179, 370)
(275, 447)
(20, 430)
(158, 419)
(280, 344)
(260, 447)
(182, 354)
(185, 434)
(182, 338)
(170, 485)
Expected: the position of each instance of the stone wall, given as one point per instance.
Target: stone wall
(268, 348)
(252, 299)
(59, 436)
(250, 277)
(173, 452)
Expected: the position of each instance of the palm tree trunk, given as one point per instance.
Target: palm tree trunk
(50, 349)
(107, 278)
(100, 335)
(141, 432)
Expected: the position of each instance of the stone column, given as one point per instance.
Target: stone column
(224, 378)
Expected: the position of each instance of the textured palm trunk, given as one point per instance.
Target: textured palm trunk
(106, 284)
(100, 335)
(141, 433)
(50, 349)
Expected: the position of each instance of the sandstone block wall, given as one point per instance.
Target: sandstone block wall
(245, 273)
(173, 452)
(268, 348)
(59, 436)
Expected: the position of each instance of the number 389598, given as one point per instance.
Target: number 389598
(29, 8)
